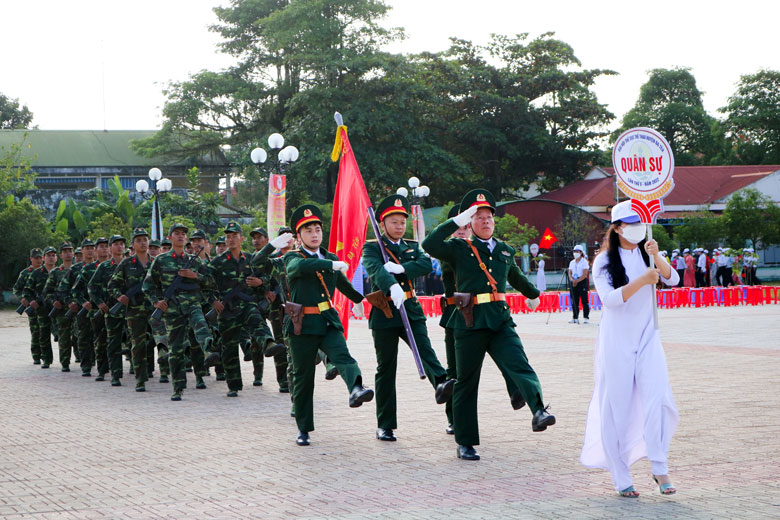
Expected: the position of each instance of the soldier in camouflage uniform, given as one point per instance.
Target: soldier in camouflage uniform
(58, 299)
(159, 334)
(92, 346)
(114, 325)
(165, 245)
(183, 310)
(79, 256)
(234, 278)
(220, 245)
(36, 260)
(81, 323)
(199, 241)
(33, 292)
(125, 288)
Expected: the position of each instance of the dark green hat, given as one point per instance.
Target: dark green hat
(117, 238)
(306, 214)
(165, 242)
(232, 227)
(35, 252)
(283, 230)
(454, 210)
(222, 240)
(198, 233)
(66, 245)
(154, 243)
(48, 250)
(101, 240)
(87, 242)
(77, 251)
(139, 232)
(258, 231)
(392, 205)
(177, 225)
(480, 198)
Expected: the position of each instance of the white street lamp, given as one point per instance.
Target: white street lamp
(142, 186)
(258, 156)
(275, 141)
(414, 182)
(155, 174)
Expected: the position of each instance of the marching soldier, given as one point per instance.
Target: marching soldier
(111, 349)
(97, 340)
(79, 257)
(392, 282)
(36, 260)
(159, 334)
(483, 266)
(125, 288)
(58, 299)
(33, 293)
(154, 248)
(69, 285)
(313, 274)
(220, 245)
(165, 245)
(183, 310)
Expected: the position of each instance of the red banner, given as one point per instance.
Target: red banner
(277, 194)
(548, 239)
(350, 214)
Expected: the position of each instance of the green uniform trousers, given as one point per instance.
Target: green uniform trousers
(41, 335)
(233, 323)
(99, 338)
(115, 328)
(160, 337)
(386, 346)
(65, 328)
(35, 347)
(85, 345)
(141, 341)
(182, 319)
(304, 356)
(506, 349)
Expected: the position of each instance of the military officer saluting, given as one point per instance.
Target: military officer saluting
(393, 281)
(483, 265)
(313, 273)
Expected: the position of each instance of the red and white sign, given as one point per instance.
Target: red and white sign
(644, 164)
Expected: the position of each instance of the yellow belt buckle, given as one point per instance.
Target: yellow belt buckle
(483, 298)
(323, 306)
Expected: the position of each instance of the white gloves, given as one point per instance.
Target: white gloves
(358, 310)
(393, 268)
(282, 240)
(397, 295)
(338, 265)
(461, 219)
(532, 304)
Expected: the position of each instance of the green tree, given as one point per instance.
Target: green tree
(700, 229)
(671, 103)
(13, 114)
(16, 175)
(509, 229)
(70, 221)
(753, 120)
(109, 224)
(24, 227)
(751, 216)
(665, 242)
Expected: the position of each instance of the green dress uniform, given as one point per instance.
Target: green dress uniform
(386, 332)
(492, 330)
(128, 278)
(184, 308)
(53, 293)
(111, 349)
(33, 291)
(312, 280)
(18, 290)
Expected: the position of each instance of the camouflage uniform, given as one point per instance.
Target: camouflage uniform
(33, 290)
(184, 308)
(18, 290)
(111, 349)
(129, 274)
(53, 293)
(92, 335)
(67, 287)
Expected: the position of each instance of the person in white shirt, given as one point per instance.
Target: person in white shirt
(724, 271)
(750, 261)
(701, 269)
(632, 414)
(578, 275)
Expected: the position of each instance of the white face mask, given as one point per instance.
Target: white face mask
(634, 233)
(577, 255)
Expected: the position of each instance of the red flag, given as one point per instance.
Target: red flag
(350, 214)
(548, 239)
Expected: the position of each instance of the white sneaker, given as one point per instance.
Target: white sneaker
(575, 321)
(586, 320)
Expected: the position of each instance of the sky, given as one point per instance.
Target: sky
(101, 64)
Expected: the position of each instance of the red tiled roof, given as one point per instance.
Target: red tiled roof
(693, 185)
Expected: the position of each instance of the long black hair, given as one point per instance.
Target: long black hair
(611, 246)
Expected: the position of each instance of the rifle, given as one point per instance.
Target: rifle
(53, 311)
(83, 312)
(172, 289)
(118, 306)
(20, 309)
(69, 313)
(237, 292)
(30, 310)
(402, 310)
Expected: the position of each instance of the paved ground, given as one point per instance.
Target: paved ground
(77, 449)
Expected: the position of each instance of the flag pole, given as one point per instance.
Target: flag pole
(652, 265)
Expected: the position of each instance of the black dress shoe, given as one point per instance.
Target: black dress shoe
(303, 439)
(115, 381)
(467, 453)
(385, 434)
(517, 400)
(211, 360)
(257, 382)
(176, 395)
(164, 378)
(284, 389)
(274, 349)
(542, 420)
(233, 393)
(360, 394)
(45, 365)
(200, 384)
(65, 369)
(86, 374)
(100, 377)
(450, 430)
(332, 374)
(444, 391)
(221, 377)
(36, 361)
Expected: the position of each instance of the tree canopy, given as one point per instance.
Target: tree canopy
(13, 114)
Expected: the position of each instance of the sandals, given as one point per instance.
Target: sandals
(666, 489)
(629, 492)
